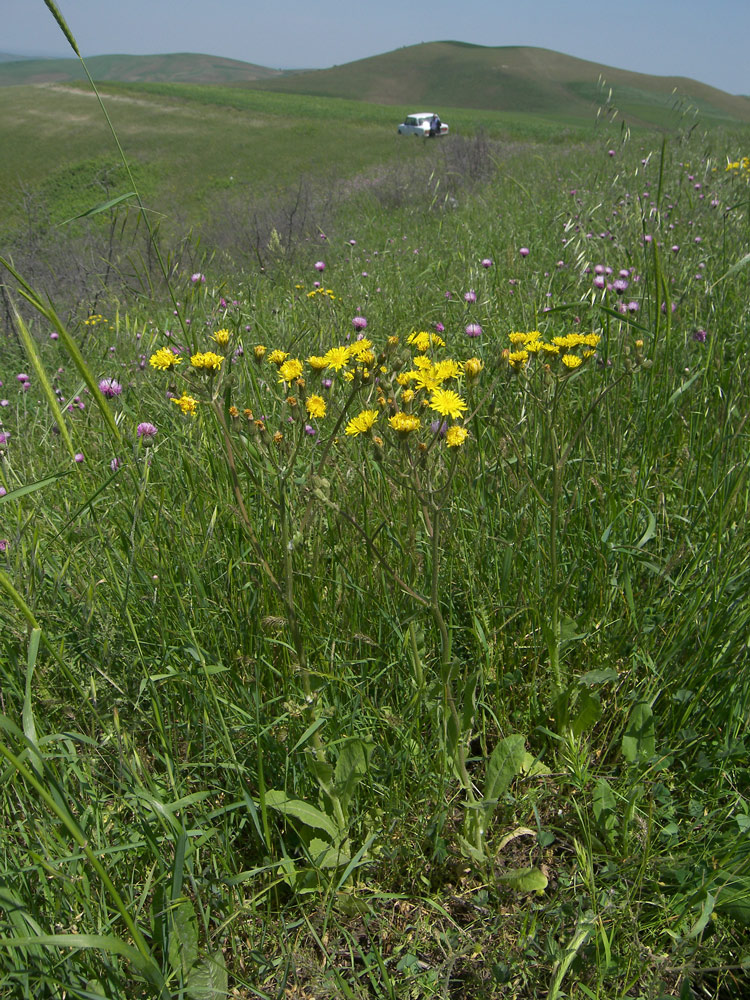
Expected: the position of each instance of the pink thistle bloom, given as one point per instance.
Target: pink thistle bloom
(487, 262)
(320, 265)
(145, 431)
(4, 544)
(473, 330)
(198, 278)
(78, 457)
(524, 251)
(110, 388)
(470, 296)
(22, 377)
(359, 323)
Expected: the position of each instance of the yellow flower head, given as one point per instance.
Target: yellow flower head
(337, 357)
(455, 436)
(207, 360)
(407, 395)
(277, 357)
(473, 367)
(404, 423)
(317, 363)
(447, 403)
(164, 359)
(222, 337)
(259, 352)
(186, 403)
(448, 368)
(290, 370)
(571, 360)
(315, 406)
(423, 340)
(360, 347)
(362, 423)
(517, 359)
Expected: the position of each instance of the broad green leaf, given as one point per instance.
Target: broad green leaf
(525, 879)
(351, 767)
(504, 764)
(639, 741)
(533, 768)
(604, 805)
(323, 855)
(593, 678)
(209, 980)
(183, 937)
(298, 809)
(589, 712)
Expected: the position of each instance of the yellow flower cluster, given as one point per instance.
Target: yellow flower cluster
(206, 360)
(164, 359)
(222, 337)
(531, 343)
(94, 320)
(327, 292)
(423, 341)
(738, 166)
(186, 403)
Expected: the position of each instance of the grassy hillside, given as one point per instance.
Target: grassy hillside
(193, 144)
(178, 67)
(507, 78)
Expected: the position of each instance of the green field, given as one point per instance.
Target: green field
(411, 661)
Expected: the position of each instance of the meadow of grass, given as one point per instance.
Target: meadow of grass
(413, 662)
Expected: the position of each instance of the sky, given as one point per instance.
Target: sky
(705, 41)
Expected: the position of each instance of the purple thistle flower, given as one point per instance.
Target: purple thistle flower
(4, 437)
(114, 464)
(487, 262)
(320, 265)
(524, 251)
(198, 278)
(145, 431)
(470, 296)
(439, 328)
(439, 427)
(700, 336)
(78, 457)
(473, 330)
(22, 377)
(359, 323)
(620, 285)
(110, 388)
(599, 281)
(4, 544)
(3, 491)
(633, 307)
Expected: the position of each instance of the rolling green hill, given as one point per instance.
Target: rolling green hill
(179, 67)
(508, 78)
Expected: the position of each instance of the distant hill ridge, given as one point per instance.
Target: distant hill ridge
(446, 74)
(176, 67)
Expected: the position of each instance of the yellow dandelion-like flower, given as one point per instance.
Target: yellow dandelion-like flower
(315, 406)
(207, 360)
(366, 358)
(234, 412)
(186, 403)
(591, 339)
(423, 340)
(164, 359)
(448, 368)
(517, 337)
(337, 357)
(425, 379)
(407, 395)
(533, 346)
(277, 357)
(392, 341)
(259, 351)
(571, 361)
(517, 359)
(639, 343)
(447, 403)
(550, 348)
(317, 363)
(405, 378)
(222, 337)
(290, 370)
(404, 423)
(473, 367)
(422, 362)
(362, 423)
(455, 436)
(360, 347)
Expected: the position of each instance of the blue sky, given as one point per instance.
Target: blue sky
(705, 41)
